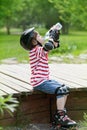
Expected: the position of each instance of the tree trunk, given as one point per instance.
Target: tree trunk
(24, 26)
(8, 25)
(65, 29)
(8, 30)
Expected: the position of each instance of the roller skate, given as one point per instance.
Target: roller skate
(62, 122)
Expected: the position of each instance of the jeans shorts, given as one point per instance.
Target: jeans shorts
(49, 86)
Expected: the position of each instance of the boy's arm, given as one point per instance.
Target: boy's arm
(49, 45)
(53, 35)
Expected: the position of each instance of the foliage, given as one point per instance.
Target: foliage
(1, 128)
(34, 13)
(8, 103)
(26, 13)
(83, 124)
(74, 43)
(7, 12)
(72, 13)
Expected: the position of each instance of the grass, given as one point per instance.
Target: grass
(74, 43)
(10, 47)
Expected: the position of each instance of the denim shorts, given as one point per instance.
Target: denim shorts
(49, 86)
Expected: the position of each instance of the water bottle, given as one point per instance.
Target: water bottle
(57, 26)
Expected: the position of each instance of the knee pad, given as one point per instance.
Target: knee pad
(62, 90)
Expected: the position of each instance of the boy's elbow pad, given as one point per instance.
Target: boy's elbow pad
(48, 46)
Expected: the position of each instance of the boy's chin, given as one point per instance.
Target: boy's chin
(40, 44)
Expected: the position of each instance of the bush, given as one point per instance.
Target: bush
(9, 104)
(83, 124)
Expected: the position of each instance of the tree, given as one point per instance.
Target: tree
(71, 12)
(23, 13)
(45, 13)
(79, 15)
(7, 12)
(25, 17)
(37, 12)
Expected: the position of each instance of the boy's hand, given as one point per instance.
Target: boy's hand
(55, 43)
(54, 31)
(54, 34)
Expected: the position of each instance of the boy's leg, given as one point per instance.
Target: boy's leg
(61, 91)
(60, 117)
(61, 102)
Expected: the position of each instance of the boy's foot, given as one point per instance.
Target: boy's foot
(61, 118)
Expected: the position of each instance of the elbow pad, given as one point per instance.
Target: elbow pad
(48, 46)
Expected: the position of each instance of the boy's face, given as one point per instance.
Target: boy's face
(39, 38)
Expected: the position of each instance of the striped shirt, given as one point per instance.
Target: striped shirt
(39, 66)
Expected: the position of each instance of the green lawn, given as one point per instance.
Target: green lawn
(74, 43)
(10, 47)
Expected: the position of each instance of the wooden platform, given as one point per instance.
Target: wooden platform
(14, 79)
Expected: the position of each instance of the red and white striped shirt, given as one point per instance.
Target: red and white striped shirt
(39, 66)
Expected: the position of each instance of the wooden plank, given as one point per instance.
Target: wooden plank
(67, 70)
(6, 89)
(69, 78)
(37, 118)
(80, 82)
(77, 101)
(73, 86)
(72, 75)
(12, 86)
(77, 115)
(2, 92)
(77, 70)
(63, 68)
(7, 121)
(63, 73)
(32, 108)
(69, 74)
(68, 82)
(21, 77)
(60, 69)
(16, 82)
(17, 69)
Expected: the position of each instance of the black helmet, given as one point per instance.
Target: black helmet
(26, 37)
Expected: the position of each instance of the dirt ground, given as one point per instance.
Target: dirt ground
(30, 127)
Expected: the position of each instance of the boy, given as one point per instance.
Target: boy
(32, 41)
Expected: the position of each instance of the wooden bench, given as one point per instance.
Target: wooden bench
(35, 106)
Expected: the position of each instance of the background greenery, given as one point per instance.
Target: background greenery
(16, 16)
(74, 44)
(72, 14)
